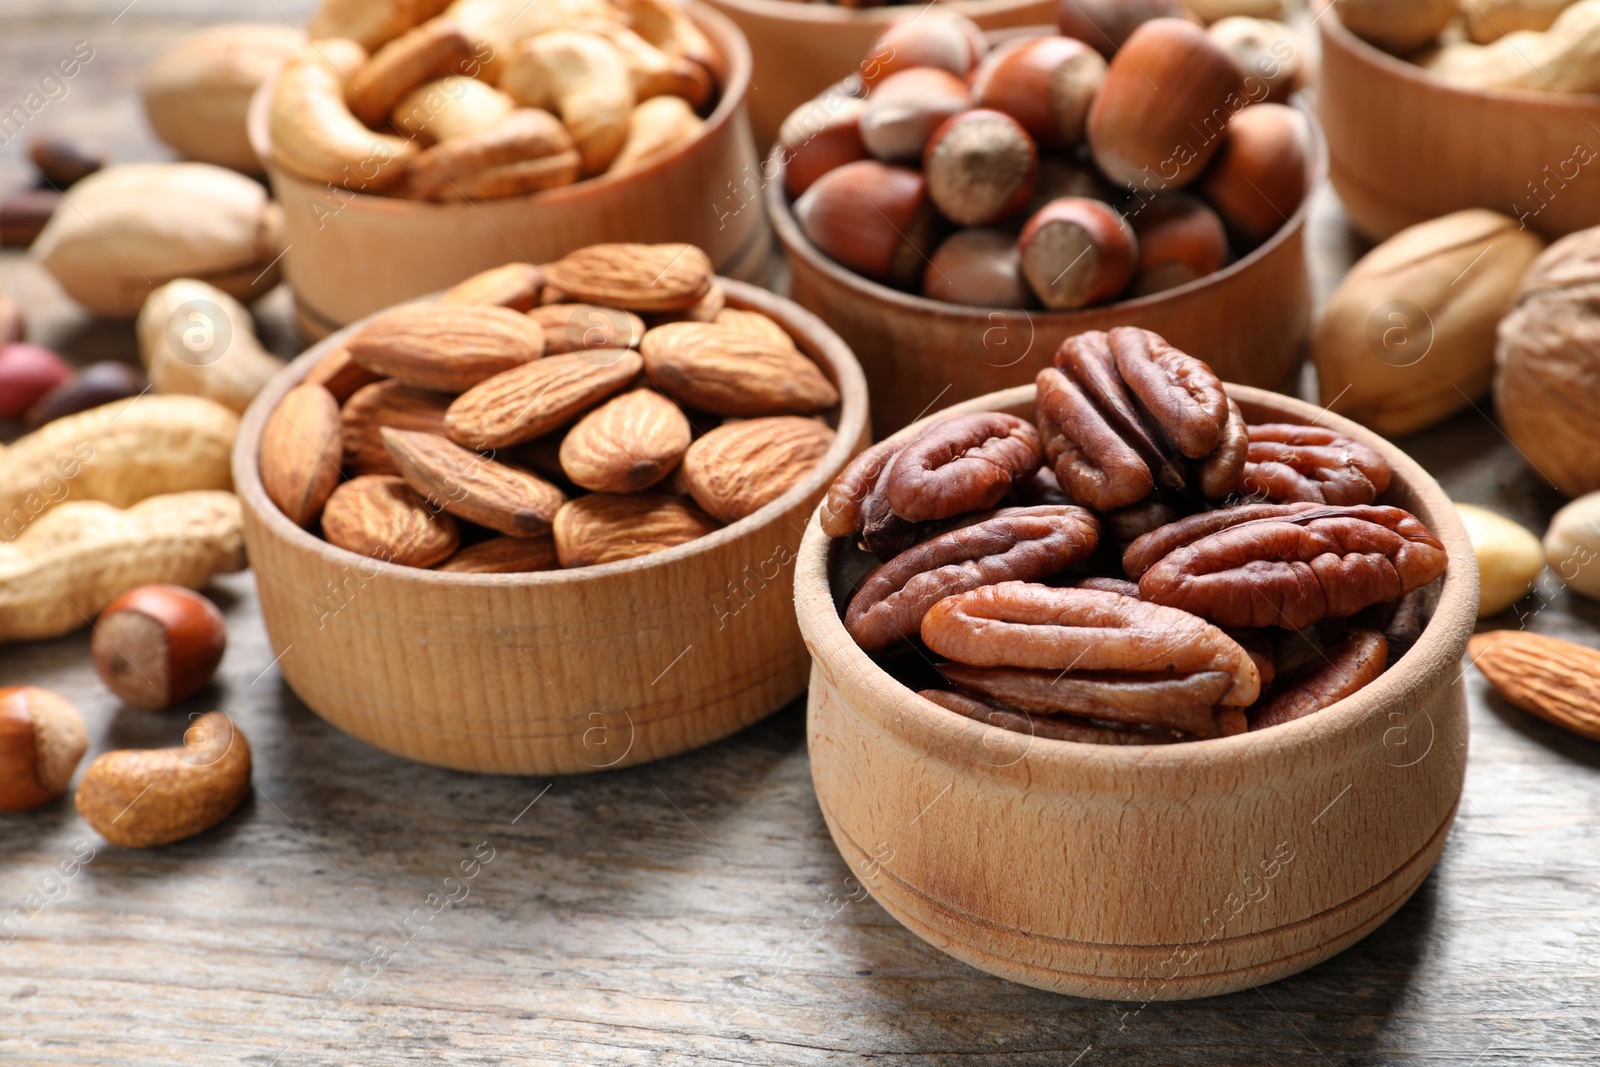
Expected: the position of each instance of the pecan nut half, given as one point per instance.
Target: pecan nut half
(1286, 565)
(1015, 543)
(1123, 414)
(1357, 660)
(1021, 624)
(1053, 727)
(1184, 702)
(1289, 464)
(956, 465)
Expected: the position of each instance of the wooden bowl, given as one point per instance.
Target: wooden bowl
(350, 255)
(1406, 147)
(800, 49)
(552, 672)
(1249, 321)
(1146, 873)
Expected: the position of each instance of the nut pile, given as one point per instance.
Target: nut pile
(483, 100)
(1137, 566)
(1526, 45)
(603, 407)
(1040, 172)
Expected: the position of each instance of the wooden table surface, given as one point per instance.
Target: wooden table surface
(695, 909)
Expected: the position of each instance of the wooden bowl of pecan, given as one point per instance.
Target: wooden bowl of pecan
(1195, 732)
(547, 522)
(392, 219)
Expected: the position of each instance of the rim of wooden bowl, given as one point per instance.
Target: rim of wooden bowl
(734, 84)
(824, 15)
(1336, 35)
(813, 336)
(961, 741)
(796, 243)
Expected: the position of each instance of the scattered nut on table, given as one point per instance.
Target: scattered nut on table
(1510, 557)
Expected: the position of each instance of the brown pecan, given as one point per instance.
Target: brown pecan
(1359, 659)
(1041, 489)
(1121, 412)
(1020, 624)
(960, 464)
(1053, 727)
(841, 511)
(1015, 543)
(1119, 586)
(1308, 463)
(1128, 524)
(1258, 646)
(1291, 565)
(1222, 472)
(1186, 702)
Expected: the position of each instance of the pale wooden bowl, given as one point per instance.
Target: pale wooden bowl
(800, 49)
(1134, 873)
(553, 672)
(1406, 147)
(1251, 319)
(350, 255)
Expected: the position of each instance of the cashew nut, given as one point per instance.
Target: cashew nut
(525, 152)
(196, 339)
(69, 564)
(142, 798)
(371, 23)
(1564, 58)
(118, 453)
(450, 107)
(656, 126)
(432, 50)
(583, 78)
(663, 24)
(654, 72)
(315, 135)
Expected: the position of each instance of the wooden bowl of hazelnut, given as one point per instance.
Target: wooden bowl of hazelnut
(505, 535)
(1430, 109)
(524, 137)
(1024, 769)
(956, 225)
(802, 48)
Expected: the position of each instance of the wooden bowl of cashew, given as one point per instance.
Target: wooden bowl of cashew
(350, 254)
(1136, 873)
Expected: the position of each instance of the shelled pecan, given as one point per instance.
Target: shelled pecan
(1053, 727)
(1123, 414)
(1357, 660)
(1290, 464)
(1285, 565)
(1013, 544)
(956, 465)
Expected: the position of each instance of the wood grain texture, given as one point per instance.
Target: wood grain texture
(684, 912)
(1279, 847)
(1406, 147)
(553, 672)
(350, 255)
(1249, 321)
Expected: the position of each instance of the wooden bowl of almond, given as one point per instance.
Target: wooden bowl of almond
(1147, 750)
(546, 523)
(414, 151)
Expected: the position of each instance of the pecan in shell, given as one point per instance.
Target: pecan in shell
(1022, 624)
(1052, 727)
(1359, 659)
(1121, 413)
(1308, 463)
(1290, 566)
(1014, 543)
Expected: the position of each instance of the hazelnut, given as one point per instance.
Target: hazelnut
(158, 645)
(1045, 83)
(1165, 106)
(27, 372)
(905, 109)
(1397, 25)
(1060, 177)
(873, 218)
(978, 268)
(1180, 240)
(1078, 252)
(41, 741)
(980, 166)
(98, 383)
(1270, 53)
(1105, 25)
(934, 38)
(1258, 179)
(815, 139)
